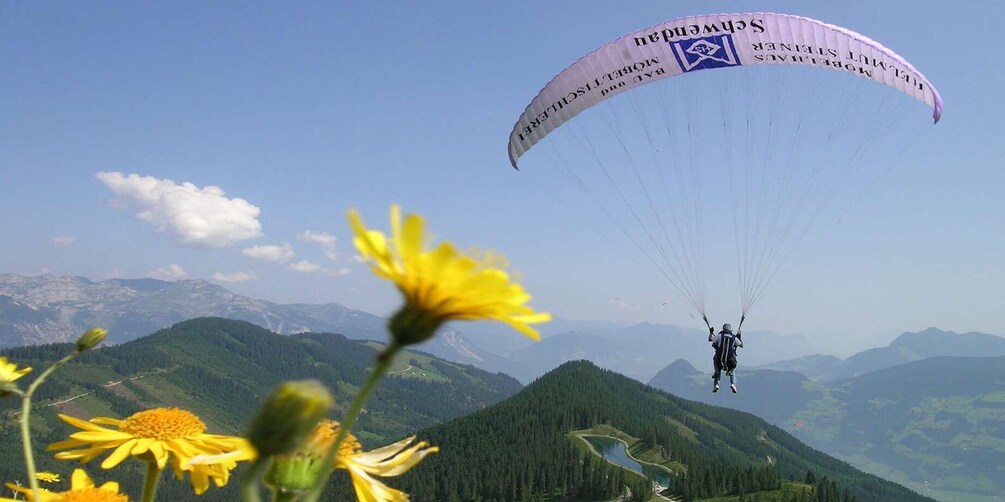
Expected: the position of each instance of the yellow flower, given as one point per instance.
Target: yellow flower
(160, 434)
(9, 371)
(82, 489)
(47, 477)
(297, 471)
(391, 460)
(441, 284)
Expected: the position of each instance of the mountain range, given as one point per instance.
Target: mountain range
(818, 398)
(51, 309)
(640, 350)
(497, 441)
(937, 424)
(906, 348)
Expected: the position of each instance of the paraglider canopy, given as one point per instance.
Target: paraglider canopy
(663, 154)
(684, 45)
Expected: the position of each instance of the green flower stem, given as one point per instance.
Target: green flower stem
(250, 492)
(151, 481)
(285, 496)
(29, 456)
(384, 361)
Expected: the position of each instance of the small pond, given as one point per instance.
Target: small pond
(614, 452)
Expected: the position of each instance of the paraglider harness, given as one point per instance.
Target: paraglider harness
(725, 350)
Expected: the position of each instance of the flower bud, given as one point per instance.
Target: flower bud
(294, 474)
(412, 325)
(288, 415)
(91, 338)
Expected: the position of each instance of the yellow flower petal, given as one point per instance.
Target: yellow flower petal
(122, 452)
(80, 424)
(107, 421)
(9, 371)
(80, 480)
(103, 435)
(384, 452)
(110, 486)
(369, 489)
(394, 462)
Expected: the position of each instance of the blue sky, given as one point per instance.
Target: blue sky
(304, 110)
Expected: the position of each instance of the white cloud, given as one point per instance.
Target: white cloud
(335, 272)
(188, 215)
(169, 273)
(62, 241)
(270, 253)
(304, 266)
(235, 277)
(323, 239)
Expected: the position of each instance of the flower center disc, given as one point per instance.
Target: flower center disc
(163, 423)
(324, 434)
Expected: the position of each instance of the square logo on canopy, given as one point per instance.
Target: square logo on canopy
(706, 52)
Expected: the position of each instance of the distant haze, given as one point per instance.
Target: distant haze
(50, 308)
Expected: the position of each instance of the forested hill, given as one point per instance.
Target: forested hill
(935, 425)
(520, 449)
(221, 369)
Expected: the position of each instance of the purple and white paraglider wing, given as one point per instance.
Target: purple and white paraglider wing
(689, 44)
